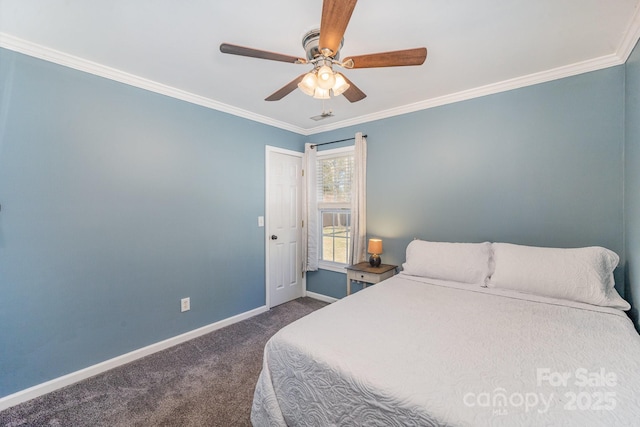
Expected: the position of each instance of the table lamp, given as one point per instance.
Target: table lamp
(375, 249)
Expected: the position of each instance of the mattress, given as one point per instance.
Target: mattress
(414, 351)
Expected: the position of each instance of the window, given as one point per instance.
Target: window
(335, 227)
(334, 175)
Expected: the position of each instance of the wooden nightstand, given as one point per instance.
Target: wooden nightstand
(366, 274)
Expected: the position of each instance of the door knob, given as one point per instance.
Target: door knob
(274, 237)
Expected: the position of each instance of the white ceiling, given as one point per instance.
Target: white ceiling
(475, 47)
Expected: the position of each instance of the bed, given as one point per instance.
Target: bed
(495, 346)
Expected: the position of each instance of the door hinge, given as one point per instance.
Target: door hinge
(303, 223)
(302, 172)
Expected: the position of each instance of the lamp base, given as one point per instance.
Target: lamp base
(375, 260)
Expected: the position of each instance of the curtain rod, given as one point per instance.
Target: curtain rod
(333, 142)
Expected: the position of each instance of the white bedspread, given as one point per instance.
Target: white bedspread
(406, 352)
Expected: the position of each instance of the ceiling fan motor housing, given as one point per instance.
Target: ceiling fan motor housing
(310, 43)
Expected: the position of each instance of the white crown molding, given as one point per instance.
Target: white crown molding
(16, 44)
(627, 44)
(82, 374)
(490, 89)
(630, 38)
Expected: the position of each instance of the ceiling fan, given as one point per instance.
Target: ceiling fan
(323, 52)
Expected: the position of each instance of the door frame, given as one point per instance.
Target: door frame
(268, 151)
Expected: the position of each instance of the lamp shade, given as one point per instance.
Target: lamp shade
(326, 79)
(308, 84)
(341, 85)
(375, 246)
(320, 93)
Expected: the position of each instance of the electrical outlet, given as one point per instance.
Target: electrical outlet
(185, 304)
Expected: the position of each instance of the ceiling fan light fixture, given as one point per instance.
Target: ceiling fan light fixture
(323, 52)
(321, 93)
(308, 84)
(326, 77)
(341, 85)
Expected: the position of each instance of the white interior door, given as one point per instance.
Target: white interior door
(284, 226)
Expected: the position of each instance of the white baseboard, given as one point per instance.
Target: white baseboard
(73, 377)
(321, 297)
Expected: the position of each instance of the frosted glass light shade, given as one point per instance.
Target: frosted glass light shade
(308, 84)
(321, 93)
(341, 85)
(326, 79)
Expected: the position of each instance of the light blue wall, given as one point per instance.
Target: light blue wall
(115, 203)
(632, 181)
(542, 165)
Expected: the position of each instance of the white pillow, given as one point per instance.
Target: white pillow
(580, 274)
(458, 262)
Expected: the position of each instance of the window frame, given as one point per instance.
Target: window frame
(324, 207)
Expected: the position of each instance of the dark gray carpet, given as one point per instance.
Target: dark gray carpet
(208, 381)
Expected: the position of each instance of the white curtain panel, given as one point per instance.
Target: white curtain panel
(309, 210)
(358, 251)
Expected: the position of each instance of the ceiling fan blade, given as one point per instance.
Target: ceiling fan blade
(396, 58)
(261, 54)
(286, 89)
(353, 94)
(335, 18)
